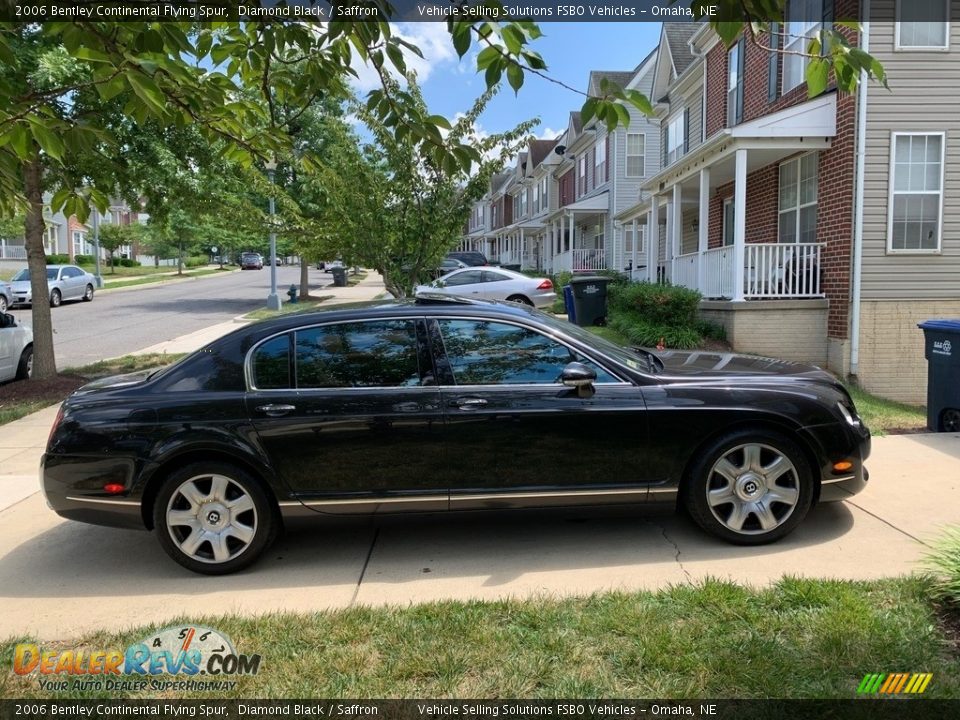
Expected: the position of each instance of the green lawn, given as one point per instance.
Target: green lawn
(109, 285)
(798, 639)
(126, 364)
(287, 308)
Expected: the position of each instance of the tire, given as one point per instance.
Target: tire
(25, 367)
(88, 293)
(55, 298)
(950, 420)
(756, 479)
(213, 487)
(3, 303)
(522, 299)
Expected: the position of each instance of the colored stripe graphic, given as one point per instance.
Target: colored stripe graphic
(894, 683)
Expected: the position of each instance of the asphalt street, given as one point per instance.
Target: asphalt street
(121, 321)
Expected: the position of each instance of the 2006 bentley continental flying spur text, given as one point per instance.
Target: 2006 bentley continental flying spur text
(401, 407)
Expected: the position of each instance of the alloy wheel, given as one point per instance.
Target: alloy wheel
(753, 489)
(951, 420)
(211, 518)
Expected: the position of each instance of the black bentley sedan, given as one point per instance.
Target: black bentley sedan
(443, 404)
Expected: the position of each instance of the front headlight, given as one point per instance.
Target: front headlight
(850, 417)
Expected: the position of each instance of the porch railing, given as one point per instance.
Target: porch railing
(12, 252)
(718, 273)
(782, 270)
(589, 260)
(686, 268)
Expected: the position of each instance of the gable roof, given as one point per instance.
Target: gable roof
(539, 150)
(620, 77)
(678, 39)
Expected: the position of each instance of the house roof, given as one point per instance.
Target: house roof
(575, 122)
(498, 181)
(539, 150)
(678, 38)
(620, 77)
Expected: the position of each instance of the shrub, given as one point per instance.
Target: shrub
(711, 330)
(195, 261)
(83, 259)
(648, 334)
(944, 561)
(128, 262)
(58, 259)
(657, 304)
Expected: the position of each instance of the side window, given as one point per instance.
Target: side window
(380, 353)
(469, 277)
(489, 276)
(271, 364)
(490, 353)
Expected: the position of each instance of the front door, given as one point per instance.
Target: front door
(516, 436)
(349, 414)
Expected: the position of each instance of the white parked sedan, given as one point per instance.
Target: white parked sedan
(16, 349)
(493, 283)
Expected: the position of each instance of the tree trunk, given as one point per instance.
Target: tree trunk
(44, 359)
(391, 285)
(180, 259)
(304, 278)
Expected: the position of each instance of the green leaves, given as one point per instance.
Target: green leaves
(46, 138)
(149, 92)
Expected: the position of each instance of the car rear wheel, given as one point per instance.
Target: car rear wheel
(750, 487)
(25, 367)
(950, 421)
(55, 298)
(88, 294)
(213, 518)
(3, 303)
(522, 299)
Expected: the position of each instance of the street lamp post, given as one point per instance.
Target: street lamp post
(273, 299)
(96, 242)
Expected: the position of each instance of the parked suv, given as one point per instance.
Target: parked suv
(251, 261)
(472, 259)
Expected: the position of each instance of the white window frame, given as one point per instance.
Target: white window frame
(797, 36)
(50, 239)
(582, 174)
(893, 193)
(642, 155)
(599, 164)
(733, 82)
(799, 206)
(675, 131)
(79, 237)
(898, 25)
(544, 197)
(730, 208)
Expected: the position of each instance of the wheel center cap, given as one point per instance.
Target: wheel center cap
(749, 487)
(213, 517)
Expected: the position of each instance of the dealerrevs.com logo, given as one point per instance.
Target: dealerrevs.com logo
(188, 650)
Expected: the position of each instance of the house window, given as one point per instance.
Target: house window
(582, 174)
(50, 239)
(544, 199)
(676, 133)
(803, 24)
(536, 198)
(916, 192)
(728, 222)
(734, 84)
(628, 239)
(599, 164)
(798, 200)
(80, 244)
(598, 235)
(636, 149)
(923, 25)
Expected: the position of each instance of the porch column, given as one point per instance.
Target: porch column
(653, 237)
(633, 252)
(739, 223)
(572, 244)
(677, 227)
(704, 220)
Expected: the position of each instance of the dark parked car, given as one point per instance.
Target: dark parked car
(444, 404)
(472, 259)
(251, 261)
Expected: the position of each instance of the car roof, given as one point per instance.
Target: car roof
(513, 274)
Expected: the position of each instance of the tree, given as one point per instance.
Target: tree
(114, 236)
(56, 77)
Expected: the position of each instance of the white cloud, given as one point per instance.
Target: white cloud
(548, 133)
(434, 42)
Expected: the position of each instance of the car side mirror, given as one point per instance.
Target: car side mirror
(578, 375)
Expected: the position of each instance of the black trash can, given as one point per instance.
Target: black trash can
(589, 300)
(943, 374)
(339, 276)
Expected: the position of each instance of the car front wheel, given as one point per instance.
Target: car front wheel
(213, 518)
(25, 367)
(55, 298)
(750, 487)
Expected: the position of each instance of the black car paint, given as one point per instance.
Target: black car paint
(415, 448)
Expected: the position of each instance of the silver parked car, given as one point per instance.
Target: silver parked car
(494, 284)
(16, 349)
(65, 282)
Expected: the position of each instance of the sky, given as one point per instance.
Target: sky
(571, 51)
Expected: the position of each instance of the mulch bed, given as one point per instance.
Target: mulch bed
(52, 390)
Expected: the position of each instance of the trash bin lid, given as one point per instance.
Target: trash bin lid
(581, 279)
(942, 324)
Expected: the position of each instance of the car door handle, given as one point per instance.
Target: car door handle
(469, 403)
(275, 410)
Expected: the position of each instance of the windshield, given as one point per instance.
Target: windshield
(635, 359)
(24, 275)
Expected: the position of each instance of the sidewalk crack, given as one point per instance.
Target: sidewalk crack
(676, 556)
(363, 571)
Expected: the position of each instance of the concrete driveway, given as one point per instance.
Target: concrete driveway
(59, 579)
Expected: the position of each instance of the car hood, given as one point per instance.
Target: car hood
(23, 285)
(699, 364)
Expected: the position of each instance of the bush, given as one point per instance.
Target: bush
(58, 259)
(127, 262)
(642, 332)
(195, 261)
(944, 561)
(83, 259)
(656, 304)
(711, 330)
